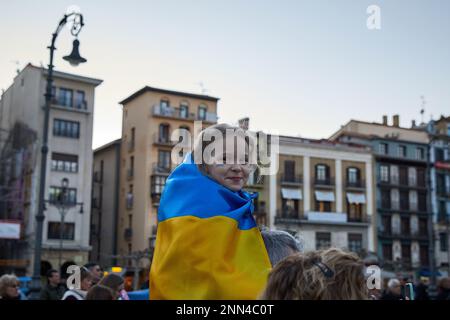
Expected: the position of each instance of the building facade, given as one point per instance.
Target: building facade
(323, 192)
(440, 185)
(150, 117)
(401, 190)
(69, 156)
(105, 203)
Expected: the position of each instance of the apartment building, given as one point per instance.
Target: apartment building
(150, 116)
(440, 187)
(69, 156)
(401, 190)
(324, 192)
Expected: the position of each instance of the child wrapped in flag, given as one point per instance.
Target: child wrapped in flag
(208, 245)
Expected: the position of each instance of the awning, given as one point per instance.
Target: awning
(324, 196)
(295, 194)
(356, 198)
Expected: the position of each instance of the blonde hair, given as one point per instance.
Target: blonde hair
(201, 143)
(331, 274)
(7, 280)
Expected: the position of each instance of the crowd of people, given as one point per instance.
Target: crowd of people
(92, 286)
(241, 262)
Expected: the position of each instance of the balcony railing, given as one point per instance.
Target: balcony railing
(323, 182)
(209, 117)
(291, 179)
(162, 140)
(76, 105)
(158, 168)
(359, 184)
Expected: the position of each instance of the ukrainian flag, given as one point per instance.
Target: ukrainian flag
(207, 245)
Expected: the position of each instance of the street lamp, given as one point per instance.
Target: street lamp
(74, 58)
(63, 202)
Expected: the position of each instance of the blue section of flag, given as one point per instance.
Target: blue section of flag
(191, 193)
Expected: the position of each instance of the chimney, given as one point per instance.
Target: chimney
(385, 120)
(244, 123)
(396, 120)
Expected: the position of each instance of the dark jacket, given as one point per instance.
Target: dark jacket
(391, 296)
(52, 293)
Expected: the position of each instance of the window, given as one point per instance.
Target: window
(404, 200)
(413, 200)
(386, 224)
(290, 208)
(289, 170)
(64, 162)
(323, 240)
(412, 176)
(420, 154)
(54, 231)
(405, 226)
(442, 212)
(323, 206)
(423, 226)
(65, 128)
(424, 255)
(202, 112)
(401, 151)
(322, 172)
(184, 111)
(164, 133)
(439, 154)
(422, 203)
(406, 253)
(403, 175)
(394, 174)
(385, 199)
(80, 102)
(131, 169)
(158, 183)
(55, 195)
(355, 242)
(384, 173)
(65, 97)
(353, 176)
(420, 177)
(383, 148)
(395, 199)
(164, 103)
(164, 159)
(354, 211)
(443, 241)
(387, 252)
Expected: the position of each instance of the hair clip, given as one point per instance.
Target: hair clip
(327, 272)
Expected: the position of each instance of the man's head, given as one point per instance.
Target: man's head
(95, 270)
(280, 244)
(53, 277)
(394, 286)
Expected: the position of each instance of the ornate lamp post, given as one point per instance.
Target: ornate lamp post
(74, 59)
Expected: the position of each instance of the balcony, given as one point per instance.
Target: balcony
(163, 169)
(288, 216)
(255, 181)
(325, 183)
(163, 140)
(209, 117)
(291, 180)
(359, 184)
(76, 105)
(171, 112)
(128, 234)
(442, 192)
(329, 217)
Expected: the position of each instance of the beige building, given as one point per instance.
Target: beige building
(149, 118)
(324, 192)
(69, 156)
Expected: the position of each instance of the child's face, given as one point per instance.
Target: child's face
(233, 173)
